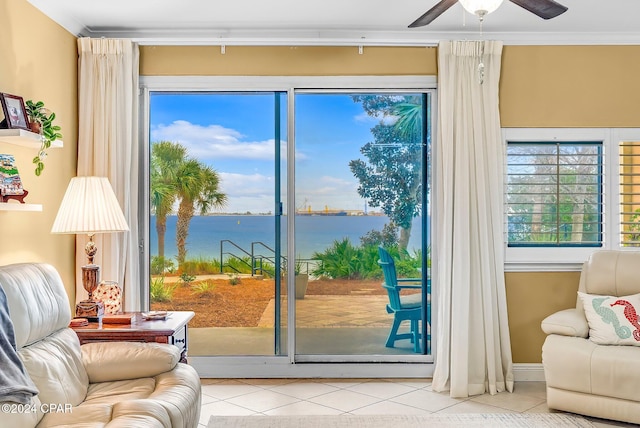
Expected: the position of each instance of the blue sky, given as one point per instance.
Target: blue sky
(234, 133)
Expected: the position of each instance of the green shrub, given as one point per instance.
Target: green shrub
(186, 278)
(204, 288)
(233, 279)
(343, 260)
(161, 265)
(263, 266)
(201, 266)
(159, 291)
(346, 261)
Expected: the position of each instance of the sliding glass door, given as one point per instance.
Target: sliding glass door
(269, 210)
(215, 224)
(359, 184)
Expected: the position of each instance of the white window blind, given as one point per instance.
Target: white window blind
(629, 155)
(554, 194)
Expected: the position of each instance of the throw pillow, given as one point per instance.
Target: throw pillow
(612, 320)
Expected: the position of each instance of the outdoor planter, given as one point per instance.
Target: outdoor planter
(301, 280)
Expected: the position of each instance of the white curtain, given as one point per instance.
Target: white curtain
(108, 72)
(473, 354)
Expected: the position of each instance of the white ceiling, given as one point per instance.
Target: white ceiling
(337, 22)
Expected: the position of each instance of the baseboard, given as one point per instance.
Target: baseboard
(281, 368)
(528, 372)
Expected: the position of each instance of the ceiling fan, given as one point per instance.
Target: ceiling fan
(545, 9)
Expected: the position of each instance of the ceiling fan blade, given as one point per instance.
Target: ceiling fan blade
(433, 13)
(545, 9)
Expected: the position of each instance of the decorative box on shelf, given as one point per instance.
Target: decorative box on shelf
(28, 139)
(11, 188)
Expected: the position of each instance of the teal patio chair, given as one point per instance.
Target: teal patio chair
(403, 307)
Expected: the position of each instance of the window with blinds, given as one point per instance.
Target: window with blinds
(629, 193)
(554, 194)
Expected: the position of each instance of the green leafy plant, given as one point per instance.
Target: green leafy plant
(238, 265)
(344, 260)
(201, 266)
(43, 117)
(159, 292)
(204, 289)
(233, 279)
(187, 278)
(298, 267)
(161, 265)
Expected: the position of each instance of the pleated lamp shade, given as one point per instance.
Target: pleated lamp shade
(89, 206)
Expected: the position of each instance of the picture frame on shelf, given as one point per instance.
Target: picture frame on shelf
(15, 113)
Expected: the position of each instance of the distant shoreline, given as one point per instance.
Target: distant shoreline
(348, 213)
(212, 235)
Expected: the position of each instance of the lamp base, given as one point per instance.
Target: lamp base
(90, 309)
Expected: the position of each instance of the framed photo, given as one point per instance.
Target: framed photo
(15, 115)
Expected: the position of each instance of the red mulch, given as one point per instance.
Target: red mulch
(243, 304)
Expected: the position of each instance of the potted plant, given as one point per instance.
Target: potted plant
(41, 122)
(301, 280)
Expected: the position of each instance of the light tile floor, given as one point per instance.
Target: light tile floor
(229, 397)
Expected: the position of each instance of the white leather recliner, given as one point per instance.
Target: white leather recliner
(582, 376)
(116, 384)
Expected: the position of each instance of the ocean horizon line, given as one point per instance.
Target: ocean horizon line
(350, 213)
(216, 236)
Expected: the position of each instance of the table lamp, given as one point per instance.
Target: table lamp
(89, 206)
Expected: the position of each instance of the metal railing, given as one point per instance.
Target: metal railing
(230, 255)
(262, 259)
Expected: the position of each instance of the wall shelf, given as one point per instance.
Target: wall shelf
(28, 139)
(23, 138)
(12, 206)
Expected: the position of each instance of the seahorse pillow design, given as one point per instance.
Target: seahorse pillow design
(612, 320)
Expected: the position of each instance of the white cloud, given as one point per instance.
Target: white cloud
(247, 192)
(336, 181)
(333, 192)
(364, 117)
(234, 184)
(213, 141)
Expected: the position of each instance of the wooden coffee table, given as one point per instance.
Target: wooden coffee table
(172, 330)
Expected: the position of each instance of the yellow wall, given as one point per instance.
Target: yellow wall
(570, 86)
(560, 86)
(39, 62)
(541, 86)
(285, 61)
(531, 296)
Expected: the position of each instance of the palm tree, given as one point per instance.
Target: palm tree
(409, 114)
(166, 161)
(198, 188)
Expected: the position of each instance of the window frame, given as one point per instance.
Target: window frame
(571, 258)
(288, 84)
(557, 145)
(280, 365)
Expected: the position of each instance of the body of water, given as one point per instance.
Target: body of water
(314, 233)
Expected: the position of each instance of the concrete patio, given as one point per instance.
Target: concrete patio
(326, 325)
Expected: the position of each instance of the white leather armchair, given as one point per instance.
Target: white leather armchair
(116, 384)
(582, 376)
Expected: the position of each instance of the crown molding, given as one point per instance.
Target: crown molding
(355, 38)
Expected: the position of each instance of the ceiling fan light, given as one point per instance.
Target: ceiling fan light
(480, 7)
